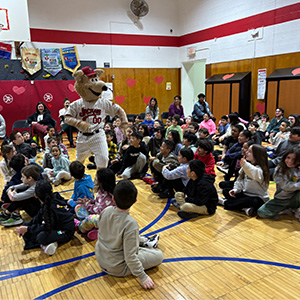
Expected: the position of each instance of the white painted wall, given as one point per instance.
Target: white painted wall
(192, 84)
(182, 17)
(278, 39)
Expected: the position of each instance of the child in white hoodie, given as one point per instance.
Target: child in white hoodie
(250, 190)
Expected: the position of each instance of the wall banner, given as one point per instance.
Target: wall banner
(51, 61)
(31, 60)
(5, 51)
(70, 58)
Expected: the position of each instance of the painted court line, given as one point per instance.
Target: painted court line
(170, 260)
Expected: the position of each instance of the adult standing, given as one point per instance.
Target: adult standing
(153, 109)
(2, 127)
(176, 108)
(274, 125)
(40, 120)
(68, 129)
(201, 107)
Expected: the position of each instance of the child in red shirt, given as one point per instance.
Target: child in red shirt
(203, 153)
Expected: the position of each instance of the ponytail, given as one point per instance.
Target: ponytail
(43, 191)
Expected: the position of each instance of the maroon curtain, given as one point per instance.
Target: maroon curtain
(19, 98)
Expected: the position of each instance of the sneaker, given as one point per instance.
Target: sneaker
(91, 166)
(222, 169)
(148, 180)
(93, 234)
(151, 242)
(187, 215)
(175, 203)
(287, 211)
(14, 220)
(156, 188)
(221, 200)
(4, 206)
(4, 216)
(166, 194)
(50, 249)
(297, 214)
(249, 211)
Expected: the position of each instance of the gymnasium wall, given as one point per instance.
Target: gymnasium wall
(218, 31)
(271, 63)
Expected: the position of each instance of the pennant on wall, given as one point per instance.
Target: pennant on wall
(70, 59)
(5, 51)
(31, 60)
(51, 61)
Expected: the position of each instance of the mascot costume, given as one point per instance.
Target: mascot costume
(88, 114)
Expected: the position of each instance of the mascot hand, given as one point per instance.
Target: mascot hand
(123, 127)
(83, 126)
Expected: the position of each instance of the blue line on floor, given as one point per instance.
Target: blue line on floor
(20, 272)
(66, 191)
(168, 260)
(167, 227)
(158, 218)
(71, 284)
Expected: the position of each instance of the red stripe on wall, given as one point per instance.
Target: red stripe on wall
(272, 17)
(78, 37)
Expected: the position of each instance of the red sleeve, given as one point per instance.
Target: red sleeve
(209, 164)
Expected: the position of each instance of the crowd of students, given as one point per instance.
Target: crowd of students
(181, 158)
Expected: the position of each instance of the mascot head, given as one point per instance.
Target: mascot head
(88, 84)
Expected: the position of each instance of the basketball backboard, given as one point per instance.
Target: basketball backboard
(14, 21)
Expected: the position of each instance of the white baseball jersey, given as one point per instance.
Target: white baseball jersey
(93, 113)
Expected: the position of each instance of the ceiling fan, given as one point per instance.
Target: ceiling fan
(138, 9)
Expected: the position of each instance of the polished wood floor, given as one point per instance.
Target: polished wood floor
(224, 256)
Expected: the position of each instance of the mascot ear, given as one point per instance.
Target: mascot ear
(99, 72)
(78, 75)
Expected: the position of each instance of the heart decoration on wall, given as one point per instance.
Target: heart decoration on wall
(50, 105)
(261, 107)
(159, 79)
(71, 87)
(120, 99)
(147, 100)
(296, 71)
(227, 76)
(130, 82)
(18, 90)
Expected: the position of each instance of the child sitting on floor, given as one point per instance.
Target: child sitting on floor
(28, 139)
(16, 163)
(22, 197)
(52, 225)
(287, 178)
(200, 195)
(60, 169)
(120, 232)
(8, 151)
(250, 191)
(204, 153)
(88, 209)
(135, 159)
(83, 186)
